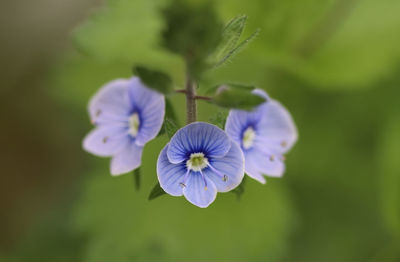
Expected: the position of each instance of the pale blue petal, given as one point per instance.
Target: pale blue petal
(128, 159)
(231, 165)
(196, 193)
(264, 163)
(151, 107)
(198, 137)
(106, 140)
(239, 120)
(170, 175)
(252, 171)
(277, 130)
(111, 103)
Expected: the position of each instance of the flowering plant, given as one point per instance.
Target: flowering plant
(200, 159)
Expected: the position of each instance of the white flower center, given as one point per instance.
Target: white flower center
(248, 137)
(134, 124)
(197, 162)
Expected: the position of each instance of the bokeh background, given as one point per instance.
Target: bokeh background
(335, 64)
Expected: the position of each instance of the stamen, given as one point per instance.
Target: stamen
(98, 112)
(204, 179)
(248, 137)
(183, 183)
(223, 176)
(283, 143)
(271, 157)
(105, 139)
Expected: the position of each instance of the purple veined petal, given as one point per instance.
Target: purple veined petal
(238, 120)
(199, 191)
(111, 103)
(106, 140)
(170, 175)
(263, 163)
(277, 130)
(198, 137)
(227, 172)
(126, 160)
(151, 107)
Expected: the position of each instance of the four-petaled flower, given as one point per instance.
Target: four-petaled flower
(264, 134)
(127, 115)
(199, 161)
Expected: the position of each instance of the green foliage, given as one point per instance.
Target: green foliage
(156, 80)
(157, 191)
(219, 119)
(230, 36)
(193, 31)
(238, 98)
(171, 123)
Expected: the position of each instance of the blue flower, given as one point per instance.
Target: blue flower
(199, 161)
(127, 115)
(264, 135)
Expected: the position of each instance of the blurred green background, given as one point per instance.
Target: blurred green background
(335, 64)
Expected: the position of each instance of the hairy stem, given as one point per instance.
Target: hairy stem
(191, 113)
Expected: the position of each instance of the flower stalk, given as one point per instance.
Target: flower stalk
(191, 108)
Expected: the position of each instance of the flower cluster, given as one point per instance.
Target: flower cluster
(200, 159)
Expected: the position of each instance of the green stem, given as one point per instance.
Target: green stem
(191, 112)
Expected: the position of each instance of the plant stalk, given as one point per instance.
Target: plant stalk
(191, 112)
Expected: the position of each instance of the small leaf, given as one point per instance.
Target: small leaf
(237, 98)
(214, 89)
(237, 49)
(170, 127)
(219, 119)
(170, 115)
(137, 178)
(230, 36)
(239, 190)
(156, 192)
(156, 80)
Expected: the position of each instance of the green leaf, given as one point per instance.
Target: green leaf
(156, 80)
(170, 116)
(219, 119)
(237, 98)
(137, 178)
(239, 190)
(214, 89)
(156, 192)
(237, 49)
(230, 36)
(170, 127)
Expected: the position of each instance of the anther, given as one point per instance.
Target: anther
(225, 178)
(271, 157)
(182, 185)
(283, 143)
(98, 112)
(105, 139)
(205, 188)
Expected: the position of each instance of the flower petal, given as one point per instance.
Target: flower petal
(111, 102)
(106, 140)
(262, 163)
(128, 159)
(151, 107)
(170, 175)
(231, 165)
(277, 130)
(238, 120)
(198, 137)
(196, 192)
